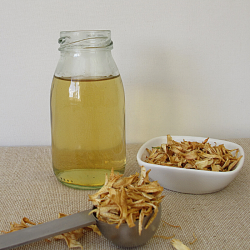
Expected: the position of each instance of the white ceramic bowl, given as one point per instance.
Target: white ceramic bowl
(190, 181)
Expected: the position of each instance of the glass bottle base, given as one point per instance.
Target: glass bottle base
(86, 179)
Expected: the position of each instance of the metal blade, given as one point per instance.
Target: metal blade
(46, 230)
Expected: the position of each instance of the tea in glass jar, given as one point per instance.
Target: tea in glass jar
(87, 113)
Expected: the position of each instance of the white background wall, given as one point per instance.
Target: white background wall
(184, 64)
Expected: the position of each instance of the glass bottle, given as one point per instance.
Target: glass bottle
(87, 111)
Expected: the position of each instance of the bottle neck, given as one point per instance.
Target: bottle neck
(86, 64)
(85, 39)
(86, 54)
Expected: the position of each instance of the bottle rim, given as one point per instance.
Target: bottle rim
(85, 39)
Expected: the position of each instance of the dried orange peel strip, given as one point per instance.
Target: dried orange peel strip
(195, 239)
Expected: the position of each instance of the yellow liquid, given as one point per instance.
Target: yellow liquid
(88, 130)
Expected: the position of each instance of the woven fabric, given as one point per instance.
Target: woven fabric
(29, 188)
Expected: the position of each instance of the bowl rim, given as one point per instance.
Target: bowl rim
(192, 138)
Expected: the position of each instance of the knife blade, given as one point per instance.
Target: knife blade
(46, 230)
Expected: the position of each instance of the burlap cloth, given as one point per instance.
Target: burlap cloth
(29, 188)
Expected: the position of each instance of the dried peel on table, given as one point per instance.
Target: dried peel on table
(71, 238)
(120, 200)
(195, 239)
(194, 155)
(177, 244)
(25, 222)
(125, 200)
(171, 224)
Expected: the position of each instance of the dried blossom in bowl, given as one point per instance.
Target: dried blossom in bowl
(194, 155)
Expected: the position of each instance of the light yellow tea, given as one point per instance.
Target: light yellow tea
(88, 130)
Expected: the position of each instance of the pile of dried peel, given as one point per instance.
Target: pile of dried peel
(120, 200)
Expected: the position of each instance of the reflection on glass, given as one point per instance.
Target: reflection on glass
(74, 91)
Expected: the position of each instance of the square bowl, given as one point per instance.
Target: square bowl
(191, 181)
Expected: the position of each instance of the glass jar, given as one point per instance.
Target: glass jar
(87, 111)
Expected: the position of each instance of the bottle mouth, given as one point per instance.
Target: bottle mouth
(85, 39)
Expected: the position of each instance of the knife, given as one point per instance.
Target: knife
(46, 230)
